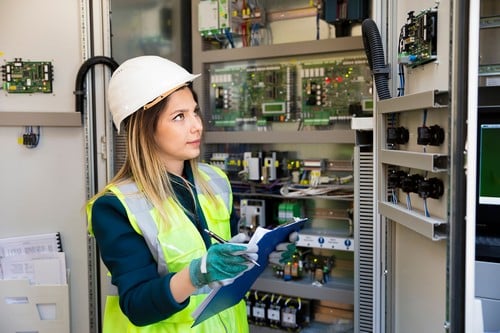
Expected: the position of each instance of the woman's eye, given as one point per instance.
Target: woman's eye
(179, 116)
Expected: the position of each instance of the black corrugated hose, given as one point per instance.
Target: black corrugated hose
(376, 59)
(84, 68)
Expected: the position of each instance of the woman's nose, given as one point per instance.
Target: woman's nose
(196, 123)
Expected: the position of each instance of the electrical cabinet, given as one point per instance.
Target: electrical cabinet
(263, 118)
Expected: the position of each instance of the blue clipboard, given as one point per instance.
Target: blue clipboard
(223, 297)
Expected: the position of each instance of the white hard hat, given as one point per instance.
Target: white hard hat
(138, 81)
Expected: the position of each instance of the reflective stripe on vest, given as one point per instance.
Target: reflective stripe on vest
(141, 209)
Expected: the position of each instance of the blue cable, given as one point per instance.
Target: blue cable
(426, 210)
(394, 197)
(229, 37)
(408, 201)
(401, 89)
(254, 34)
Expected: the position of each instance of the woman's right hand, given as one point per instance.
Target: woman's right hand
(222, 264)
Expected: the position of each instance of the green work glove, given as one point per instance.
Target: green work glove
(222, 264)
(284, 252)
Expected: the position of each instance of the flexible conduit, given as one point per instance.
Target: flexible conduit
(82, 72)
(376, 59)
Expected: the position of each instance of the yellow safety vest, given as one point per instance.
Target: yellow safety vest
(174, 245)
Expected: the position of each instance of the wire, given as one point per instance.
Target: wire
(426, 209)
(394, 197)
(229, 37)
(220, 41)
(300, 126)
(318, 9)
(254, 36)
(294, 192)
(401, 89)
(244, 34)
(408, 201)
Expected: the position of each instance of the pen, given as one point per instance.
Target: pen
(221, 240)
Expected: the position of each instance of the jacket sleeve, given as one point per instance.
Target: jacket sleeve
(145, 297)
(234, 222)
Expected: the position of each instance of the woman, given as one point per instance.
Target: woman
(149, 221)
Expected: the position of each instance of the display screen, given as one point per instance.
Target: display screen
(273, 108)
(489, 164)
(488, 175)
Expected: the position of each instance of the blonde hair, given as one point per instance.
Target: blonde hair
(143, 164)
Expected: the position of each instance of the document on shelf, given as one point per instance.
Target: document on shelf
(37, 258)
(31, 245)
(35, 270)
(223, 297)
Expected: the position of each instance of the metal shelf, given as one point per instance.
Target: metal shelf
(344, 44)
(313, 327)
(434, 229)
(310, 137)
(432, 99)
(489, 22)
(279, 196)
(423, 161)
(339, 290)
(55, 119)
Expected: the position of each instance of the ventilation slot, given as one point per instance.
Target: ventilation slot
(363, 168)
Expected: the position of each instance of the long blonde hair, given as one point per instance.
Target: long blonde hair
(143, 164)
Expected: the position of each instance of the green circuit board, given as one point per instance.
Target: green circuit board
(316, 93)
(418, 40)
(27, 76)
(335, 90)
(251, 94)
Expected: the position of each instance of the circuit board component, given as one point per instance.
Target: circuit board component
(27, 76)
(252, 94)
(314, 93)
(418, 39)
(334, 90)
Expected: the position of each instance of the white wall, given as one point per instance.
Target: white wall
(43, 189)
